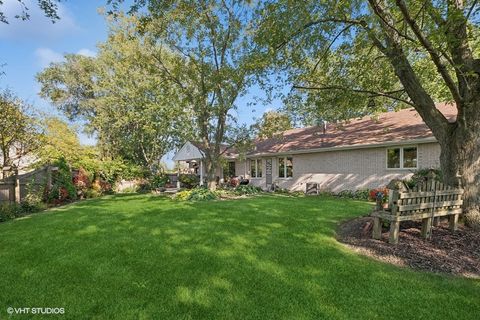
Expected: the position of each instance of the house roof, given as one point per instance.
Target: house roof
(389, 127)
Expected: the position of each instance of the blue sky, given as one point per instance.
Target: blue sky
(26, 47)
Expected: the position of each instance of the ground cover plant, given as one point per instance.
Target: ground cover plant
(265, 257)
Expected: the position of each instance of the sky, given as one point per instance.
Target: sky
(26, 47)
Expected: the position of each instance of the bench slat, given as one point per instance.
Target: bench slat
(405, 195)
(428, 205)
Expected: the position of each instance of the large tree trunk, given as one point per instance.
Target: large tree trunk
(211, 163)
(460, 157)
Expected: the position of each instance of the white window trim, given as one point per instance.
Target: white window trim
(285, 168)
(256, 168)
(401, 157)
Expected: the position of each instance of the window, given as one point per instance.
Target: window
(256, 168)
(285, 167)
(402, 158)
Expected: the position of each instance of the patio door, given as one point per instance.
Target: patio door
(268, 171)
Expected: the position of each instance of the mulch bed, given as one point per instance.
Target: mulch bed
(455, 253)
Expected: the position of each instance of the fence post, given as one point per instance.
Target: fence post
(16, 180)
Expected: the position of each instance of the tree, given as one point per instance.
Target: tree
(136, 114)
(49, 8)
(213, 61)
(360, 55)
(59, 141)
(19, 132)
(271, 123)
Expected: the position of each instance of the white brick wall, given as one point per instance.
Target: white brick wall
(345, 170)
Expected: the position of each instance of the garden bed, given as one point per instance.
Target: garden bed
(455, 253)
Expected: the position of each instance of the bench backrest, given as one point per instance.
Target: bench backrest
(425, 198)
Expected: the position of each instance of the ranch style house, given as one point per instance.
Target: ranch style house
(356, 154)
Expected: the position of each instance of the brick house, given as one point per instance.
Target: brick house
(357, 154)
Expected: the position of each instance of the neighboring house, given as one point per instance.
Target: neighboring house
(19, 159)
(361, 153)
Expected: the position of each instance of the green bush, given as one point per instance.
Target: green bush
(132, 189)
(247, 189)
(189, 181)
(92, 193)
(9, 211)
(196, 194)
(420, 176)
(202, 194)
(63, 189)
(115, 170)
(361, 194)
(183, 195)
(159, 181)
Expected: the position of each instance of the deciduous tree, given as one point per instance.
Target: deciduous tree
(358, 56)
(215, 61)
(19, 130)
(271, 123)
(136, 114)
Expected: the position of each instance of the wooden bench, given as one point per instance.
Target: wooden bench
(427, 201)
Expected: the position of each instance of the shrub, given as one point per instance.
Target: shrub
(345, 194)
(360, 194)
(247, 189)
(63, 189)
(196, 194)
(132, 189)
(183, 195)
(420, 176)
(92, 193)
(82, 182)
(202, 194)
(189, 181)
(159, 181)
(9, 211)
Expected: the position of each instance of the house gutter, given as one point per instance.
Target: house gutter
(344, 148)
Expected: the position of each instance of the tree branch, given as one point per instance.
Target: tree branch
(371, 93)
(442, 69)
(325, 52)
(421, 100)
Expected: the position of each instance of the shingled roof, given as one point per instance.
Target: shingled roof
(389, 127)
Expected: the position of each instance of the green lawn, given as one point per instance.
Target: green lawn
(268, 257)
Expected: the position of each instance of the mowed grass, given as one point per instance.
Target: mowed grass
(267, 257)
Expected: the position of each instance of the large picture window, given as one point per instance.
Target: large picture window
(402, 158)
(256, 168)
(285, 167)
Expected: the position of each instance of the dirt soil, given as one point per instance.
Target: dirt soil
(455, 253)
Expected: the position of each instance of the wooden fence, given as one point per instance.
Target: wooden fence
(16, 187)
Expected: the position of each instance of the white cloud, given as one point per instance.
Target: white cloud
(87, 52)
(46, 56)
(38, 26)
(269, 109)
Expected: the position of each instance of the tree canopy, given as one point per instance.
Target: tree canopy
(271, 123)
(350, 58)
(215, 60)
(19, 130)
(134, 111)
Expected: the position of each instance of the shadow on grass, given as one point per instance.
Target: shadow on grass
(268, 257)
